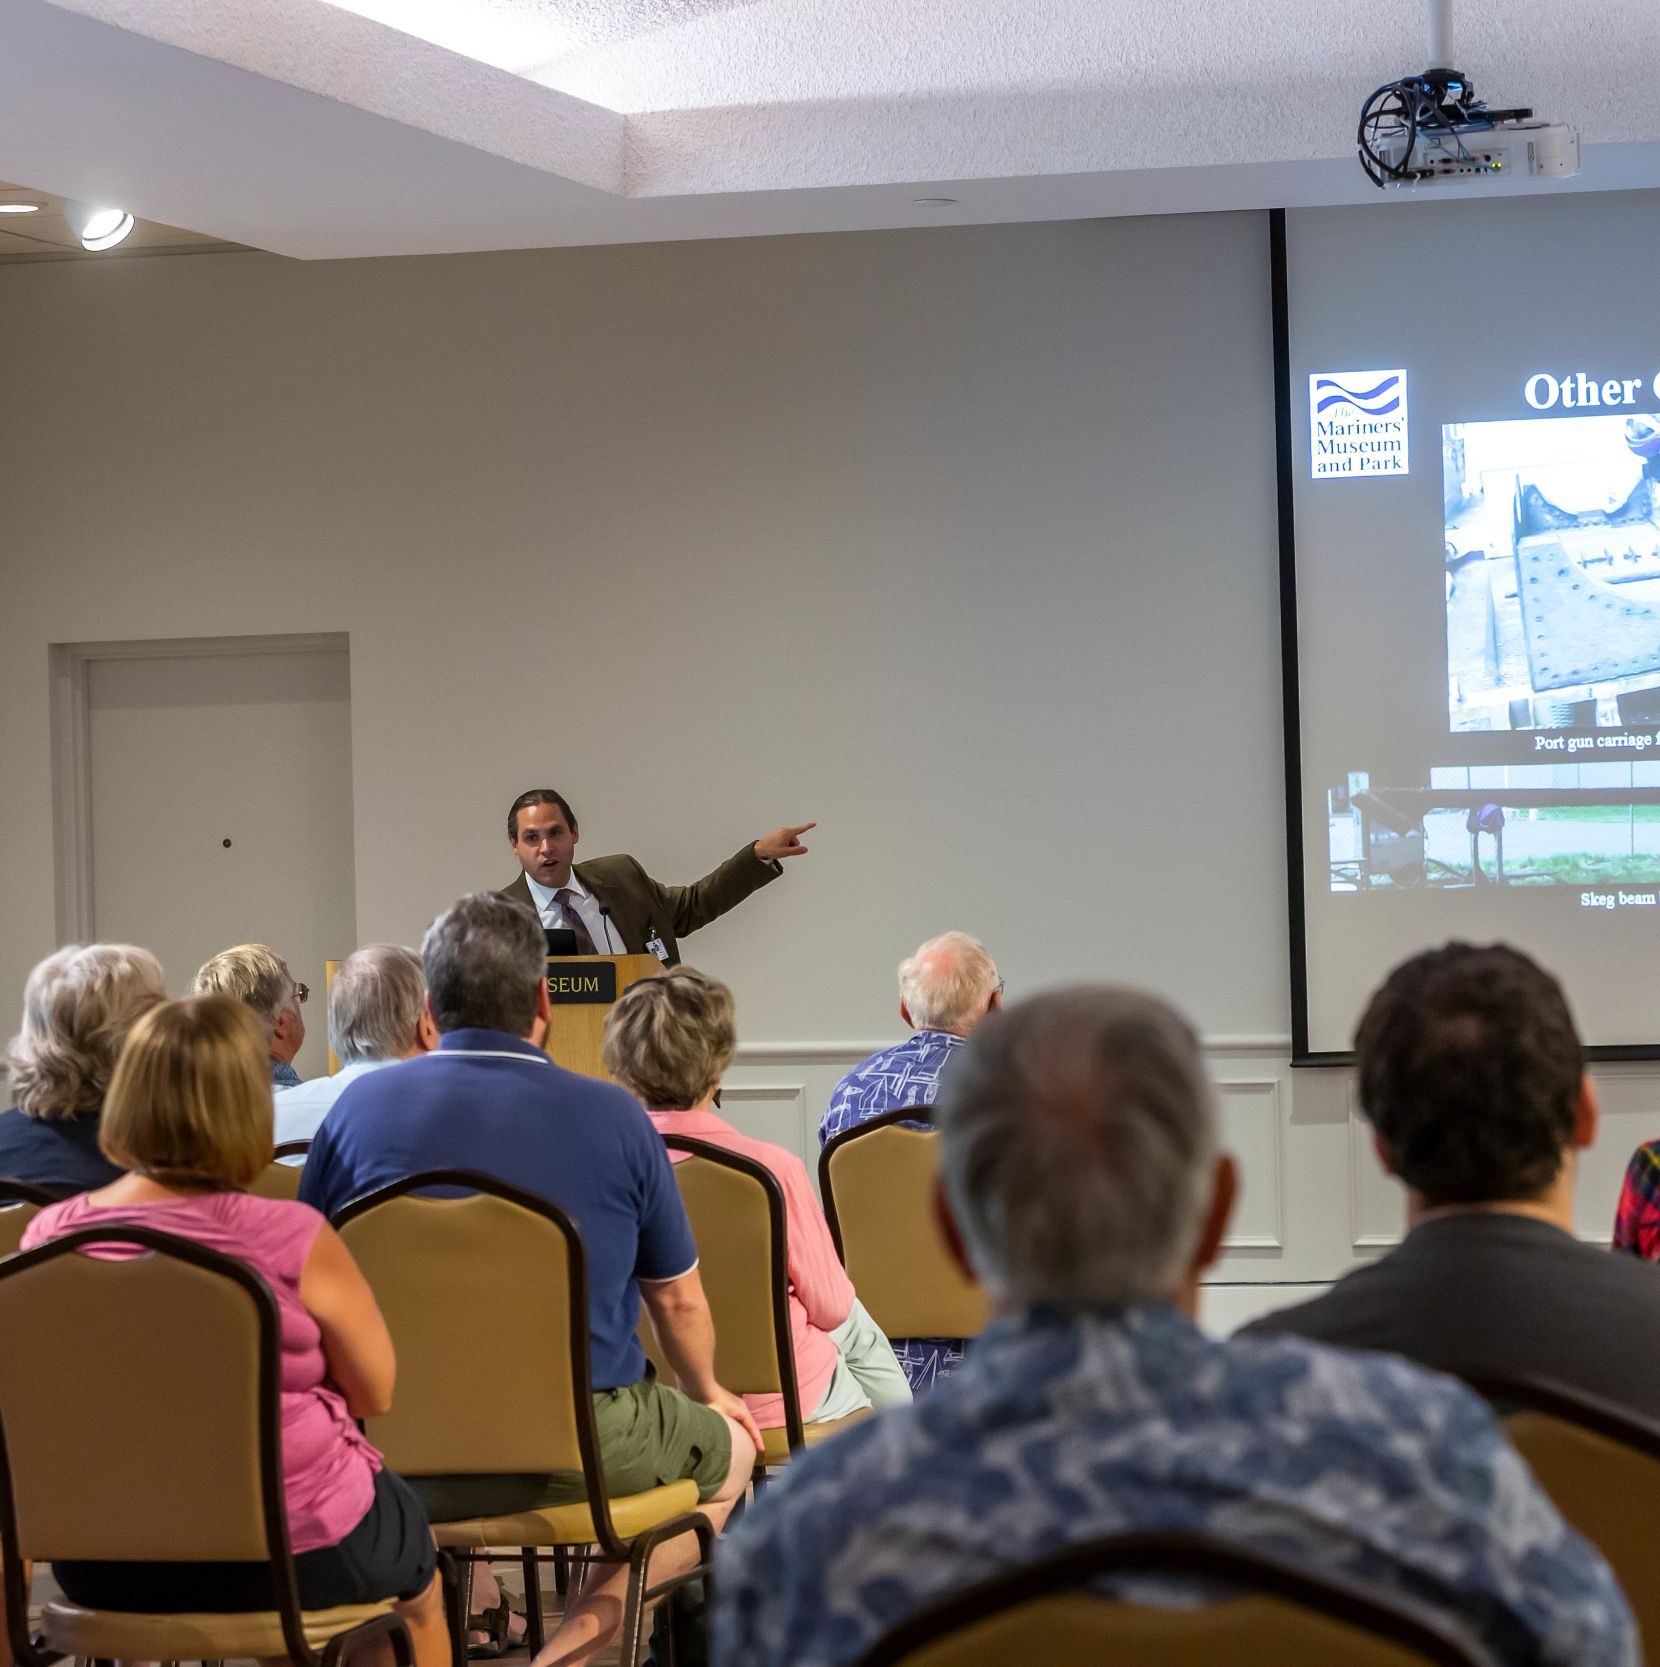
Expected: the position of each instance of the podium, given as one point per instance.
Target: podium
(581, 991)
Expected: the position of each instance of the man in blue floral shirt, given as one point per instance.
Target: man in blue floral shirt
(1081, 1169)
(945, 990)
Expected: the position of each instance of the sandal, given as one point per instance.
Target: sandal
(497, 1625)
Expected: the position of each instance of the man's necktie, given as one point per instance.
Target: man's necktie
(566, 900)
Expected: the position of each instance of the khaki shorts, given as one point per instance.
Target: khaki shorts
(649, 1435)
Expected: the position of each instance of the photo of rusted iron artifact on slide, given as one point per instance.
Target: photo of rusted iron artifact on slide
(1552, 533)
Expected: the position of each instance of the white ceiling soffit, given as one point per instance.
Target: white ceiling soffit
(431, 126)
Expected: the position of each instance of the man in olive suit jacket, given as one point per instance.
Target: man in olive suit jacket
(612, 905)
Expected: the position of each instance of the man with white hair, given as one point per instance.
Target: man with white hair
(945, 990)
(377, 1016)
(1082, 1181)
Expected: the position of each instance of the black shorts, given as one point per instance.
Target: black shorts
(389, 1554)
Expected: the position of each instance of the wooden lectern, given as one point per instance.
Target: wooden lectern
(581, 990)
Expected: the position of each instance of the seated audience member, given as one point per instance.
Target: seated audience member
(1637, 1216)
(945, 990)
(490, 1099)
(377, 1015)
(1471, 1075)
(189, 1114)
(1081, 1171)
(259, 978)
(668, 1040)
(78, 1006)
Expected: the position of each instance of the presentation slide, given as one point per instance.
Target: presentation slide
(1476, 455)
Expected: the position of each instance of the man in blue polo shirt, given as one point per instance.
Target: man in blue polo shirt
(489, 1099)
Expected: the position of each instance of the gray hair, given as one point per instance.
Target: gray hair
(78, 1006)
(947, 984)
(1078, 1145)
(375, 1003)
(252, 973)
(484, 957)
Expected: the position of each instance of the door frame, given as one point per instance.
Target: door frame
(69, 667)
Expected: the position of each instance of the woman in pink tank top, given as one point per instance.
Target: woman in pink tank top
(188, 1115)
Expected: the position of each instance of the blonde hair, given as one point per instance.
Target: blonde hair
(252, 973)
(948, 983)
(78, 1006)
(191, 1096)
(669, 1039)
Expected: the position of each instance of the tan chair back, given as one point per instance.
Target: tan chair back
(1605, 1487)
(278, 1180)
(1243, 1632)
(20, 1203)
(430, 1263)
(136, 1425)
(739, 1255)
(1284, 1616)
(15, 1216)
(878, 1185)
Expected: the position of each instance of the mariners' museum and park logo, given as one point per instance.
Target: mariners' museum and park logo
(1357, 423)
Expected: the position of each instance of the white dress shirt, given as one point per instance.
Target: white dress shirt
(299, 1111)
(607, 940)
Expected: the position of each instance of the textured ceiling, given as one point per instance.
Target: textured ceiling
(575, 121)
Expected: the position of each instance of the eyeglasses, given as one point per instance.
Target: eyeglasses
(302, 993)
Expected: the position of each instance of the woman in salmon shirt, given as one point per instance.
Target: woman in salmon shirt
(668, 1040)
(188, 1115)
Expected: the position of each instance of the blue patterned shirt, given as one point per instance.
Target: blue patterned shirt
(907, 1074)
(1059, 1428)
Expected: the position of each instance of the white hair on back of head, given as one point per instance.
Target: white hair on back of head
(78, 1006)
(1078, 1144)
(375, 1003)
(947, 984)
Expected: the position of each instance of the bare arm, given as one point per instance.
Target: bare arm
(686, 1334)
(356, 1344)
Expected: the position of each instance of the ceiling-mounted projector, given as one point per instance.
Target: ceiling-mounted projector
(1431, 127)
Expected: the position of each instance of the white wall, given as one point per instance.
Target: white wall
(960, 541)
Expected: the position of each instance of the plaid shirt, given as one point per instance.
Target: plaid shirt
(1637, 1219)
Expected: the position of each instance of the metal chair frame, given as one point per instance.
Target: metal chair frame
(635, 1553)
(273, 1501)
(29, 1192)
(1194, 1555)
(1521, 1393)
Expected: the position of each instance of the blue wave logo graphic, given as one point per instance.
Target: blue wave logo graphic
(1376, 401)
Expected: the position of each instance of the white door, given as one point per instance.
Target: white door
(221, 812)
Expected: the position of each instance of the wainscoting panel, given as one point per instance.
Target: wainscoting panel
(1314, 1201)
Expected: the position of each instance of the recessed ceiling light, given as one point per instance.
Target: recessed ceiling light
(934, 202)
(97, 228)
(19, 208)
